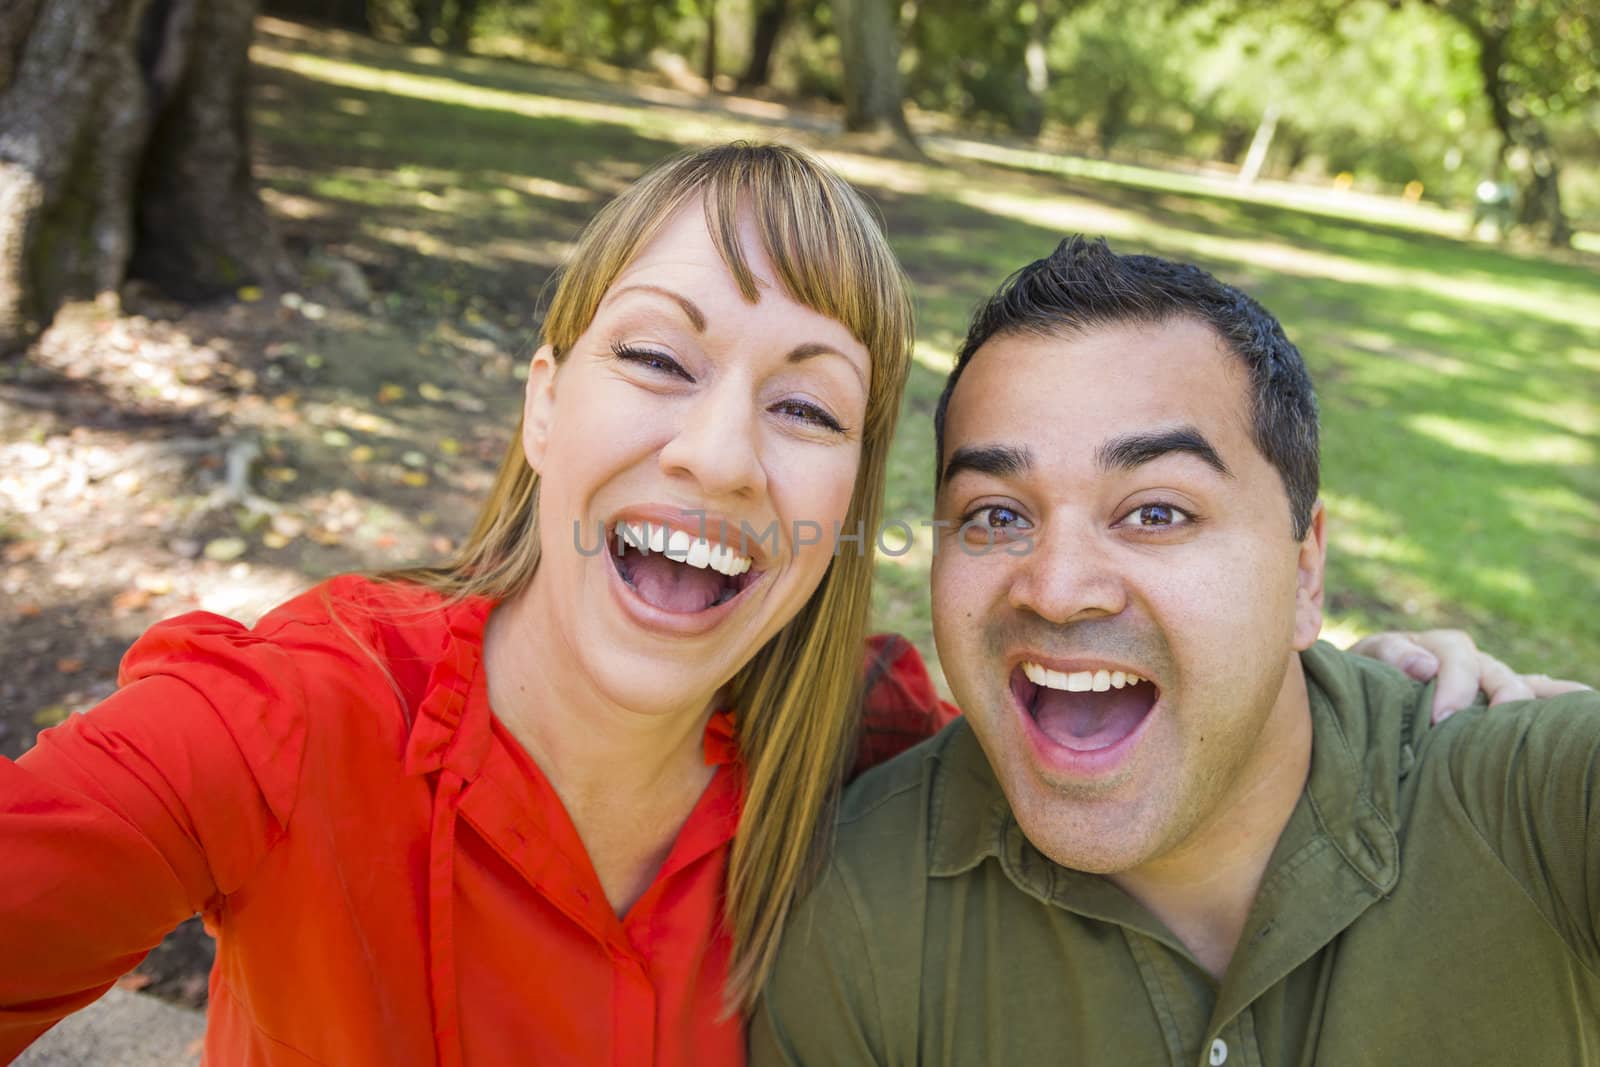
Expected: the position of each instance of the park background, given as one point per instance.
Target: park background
(269, 278)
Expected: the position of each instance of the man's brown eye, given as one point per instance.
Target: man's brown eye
(1003, 518)
(1155, 515)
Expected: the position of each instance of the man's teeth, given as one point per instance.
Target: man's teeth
(1078, 681)
(685, 548)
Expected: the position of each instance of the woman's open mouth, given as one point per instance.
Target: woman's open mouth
(676, 572)
(1085, 710)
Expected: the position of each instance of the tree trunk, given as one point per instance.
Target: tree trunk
(1260, 145)
(350, 14)
(869, 47)
(123, 148)
(709, 71)
(1539, 181)
(458, 29)
(430, 15)
(769, 20)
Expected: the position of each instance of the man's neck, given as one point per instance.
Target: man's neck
(1204, 888)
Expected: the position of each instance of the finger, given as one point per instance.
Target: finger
(1399, 651)
(1502, 684)
(1460, 675)
(1544, 686)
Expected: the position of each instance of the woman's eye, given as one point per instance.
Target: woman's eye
(1156, 517)
(656, 361)
(806, 412)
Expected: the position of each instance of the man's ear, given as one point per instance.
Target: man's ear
(1308, 595)
(538, 406)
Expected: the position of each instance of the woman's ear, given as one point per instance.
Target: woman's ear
(538, 406)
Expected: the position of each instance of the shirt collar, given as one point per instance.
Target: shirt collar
(1361, 749)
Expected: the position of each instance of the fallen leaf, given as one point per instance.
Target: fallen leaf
(449, 446)
(50, 716)
(361, 454)
(68, 665)
(274, 539)
(389, 392)
(225, 549)
(430, 392)
(250, 293)
(28, 610)
(158, 584)
(415, 479)
(129, 600)
(21, 551)
(442, 545)
(288, 526)
(282, 475)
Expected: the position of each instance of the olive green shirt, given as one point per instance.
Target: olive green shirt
(1433, 899)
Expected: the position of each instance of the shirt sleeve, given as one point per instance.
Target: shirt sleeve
(819, 1006)
(900, 706)
(122, 822)
(1529, 780)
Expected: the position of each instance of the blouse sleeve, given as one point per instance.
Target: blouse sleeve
(900, 705)
(122, 822)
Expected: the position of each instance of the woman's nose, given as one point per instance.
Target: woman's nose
(717, 443)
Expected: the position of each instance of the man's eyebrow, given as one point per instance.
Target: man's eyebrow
(1132, 450)
(998, 461)
(696, 318)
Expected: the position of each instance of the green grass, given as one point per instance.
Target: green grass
(1460, 383)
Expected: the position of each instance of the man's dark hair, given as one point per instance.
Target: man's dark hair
(1083, 284)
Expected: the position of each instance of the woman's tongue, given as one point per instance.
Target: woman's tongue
(1089, 721)
(675, 587)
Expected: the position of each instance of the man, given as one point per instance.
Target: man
(1172, 828)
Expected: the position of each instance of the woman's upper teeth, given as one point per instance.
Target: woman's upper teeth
(1078, 681)
(686, 548)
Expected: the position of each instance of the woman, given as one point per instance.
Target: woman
(550, 802)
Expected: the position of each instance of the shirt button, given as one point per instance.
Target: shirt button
(1219, 1052)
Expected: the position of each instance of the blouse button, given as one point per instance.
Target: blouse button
(1219, 1052)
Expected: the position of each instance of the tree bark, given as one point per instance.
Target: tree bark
(123, 146)
(68, 72)
(203, 229)
(869, 47)
(769, 20)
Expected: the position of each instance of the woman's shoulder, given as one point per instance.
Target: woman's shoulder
(348, 633)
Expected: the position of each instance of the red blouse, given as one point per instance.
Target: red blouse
(390, 878)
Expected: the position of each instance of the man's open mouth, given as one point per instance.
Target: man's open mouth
(675, 571)
(1084, 710)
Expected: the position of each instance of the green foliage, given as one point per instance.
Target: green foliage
(967, 59)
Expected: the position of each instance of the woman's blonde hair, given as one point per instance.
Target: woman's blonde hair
(797, 704)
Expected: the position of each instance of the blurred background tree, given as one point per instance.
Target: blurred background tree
(124, 147)
(116, 127)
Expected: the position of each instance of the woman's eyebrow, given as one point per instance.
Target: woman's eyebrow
(696, 317)
(807, 349)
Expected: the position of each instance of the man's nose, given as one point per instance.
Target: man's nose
(717, 444)
(1070, 573)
